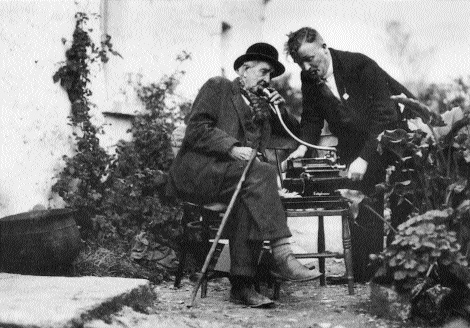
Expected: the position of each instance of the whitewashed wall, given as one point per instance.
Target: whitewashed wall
(34, 134)
(33, 131)
(151, 33)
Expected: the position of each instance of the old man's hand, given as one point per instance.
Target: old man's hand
(241, 153)
(274, 97)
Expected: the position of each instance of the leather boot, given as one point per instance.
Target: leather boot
(242, 292)
(287, 267)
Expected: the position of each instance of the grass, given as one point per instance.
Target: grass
(114, 261)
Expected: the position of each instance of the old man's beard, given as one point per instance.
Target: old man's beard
(259, 105)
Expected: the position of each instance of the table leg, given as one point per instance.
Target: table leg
(347, 253)
(321, 248)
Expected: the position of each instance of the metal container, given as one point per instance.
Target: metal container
(39, 242)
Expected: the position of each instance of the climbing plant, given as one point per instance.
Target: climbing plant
(120, 198)
(81, 182)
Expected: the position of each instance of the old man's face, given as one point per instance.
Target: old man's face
(255, 73)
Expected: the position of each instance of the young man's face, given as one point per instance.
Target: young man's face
(256, 73)
(313, 58)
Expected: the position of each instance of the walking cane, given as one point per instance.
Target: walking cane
(221, 227)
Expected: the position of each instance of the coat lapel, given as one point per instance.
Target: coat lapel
(338, 71)
(239, 103)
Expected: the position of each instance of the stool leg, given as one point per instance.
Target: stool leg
(205, 215)
(276, 289)
(181, 265)
(184, 246)
(347, 253)
(321, 249)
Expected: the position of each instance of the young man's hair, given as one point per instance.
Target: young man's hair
(299, 37)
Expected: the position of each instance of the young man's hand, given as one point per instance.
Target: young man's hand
(298, 153)
(357, 169)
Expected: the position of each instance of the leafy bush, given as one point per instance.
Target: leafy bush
(133, 210)
(418, 176)
(428, 187)
(420, 243)
(441, 97)
(138, 175)
(119, 198)
(427, 169)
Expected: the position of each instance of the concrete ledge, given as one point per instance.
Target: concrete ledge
(63, 302)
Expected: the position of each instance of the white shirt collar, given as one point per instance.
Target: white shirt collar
(330, 79)
(329, 71)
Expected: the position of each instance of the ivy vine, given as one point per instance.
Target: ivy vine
(81, 183)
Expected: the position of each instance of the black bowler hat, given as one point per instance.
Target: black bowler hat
(264, 52)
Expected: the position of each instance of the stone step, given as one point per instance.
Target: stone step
(62, 302)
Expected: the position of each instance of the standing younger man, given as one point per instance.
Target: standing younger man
(352, 94)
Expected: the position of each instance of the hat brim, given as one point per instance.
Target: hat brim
(279, 69)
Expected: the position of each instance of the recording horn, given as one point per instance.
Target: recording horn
(264, 91)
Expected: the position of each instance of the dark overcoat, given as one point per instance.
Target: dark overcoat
(216, 124)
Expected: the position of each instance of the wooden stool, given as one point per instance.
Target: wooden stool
(200, 223)
(343, 212)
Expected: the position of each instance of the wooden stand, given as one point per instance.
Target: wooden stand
(321, 254)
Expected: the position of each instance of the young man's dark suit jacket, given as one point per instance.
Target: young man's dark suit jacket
(364, 111)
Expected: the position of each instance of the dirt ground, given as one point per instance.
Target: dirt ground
(300, 305)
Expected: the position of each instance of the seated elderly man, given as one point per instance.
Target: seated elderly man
(227, 122)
